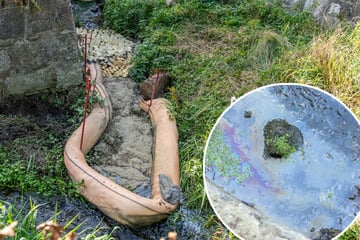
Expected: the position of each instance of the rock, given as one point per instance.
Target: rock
(328, 12)
(277, 128)
(146, 87)
(327, 233)
(111, 50)
(170, 191)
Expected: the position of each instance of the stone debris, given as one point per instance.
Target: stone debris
(111, 50)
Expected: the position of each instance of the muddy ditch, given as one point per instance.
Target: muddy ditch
(122, 154)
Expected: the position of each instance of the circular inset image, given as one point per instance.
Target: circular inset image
(283, 162)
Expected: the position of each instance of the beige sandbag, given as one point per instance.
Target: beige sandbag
(112, 199)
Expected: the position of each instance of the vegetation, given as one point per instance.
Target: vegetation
(27, 227)
(219, 155)
(281, 146)
(220, 49)
(31, 149)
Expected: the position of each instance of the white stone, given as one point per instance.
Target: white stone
(334, 9)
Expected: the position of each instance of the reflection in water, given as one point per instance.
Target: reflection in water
(317, 187)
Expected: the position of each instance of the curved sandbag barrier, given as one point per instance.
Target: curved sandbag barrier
(112, 199)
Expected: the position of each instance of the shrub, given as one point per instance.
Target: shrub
(129, 17)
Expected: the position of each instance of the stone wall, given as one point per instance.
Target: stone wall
(329, 12)
(38, 47)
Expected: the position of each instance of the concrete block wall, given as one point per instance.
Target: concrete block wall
(38, 47)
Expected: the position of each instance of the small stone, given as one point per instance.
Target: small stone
(247, 114)
(170, 191)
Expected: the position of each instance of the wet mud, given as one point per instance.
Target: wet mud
(39, 114)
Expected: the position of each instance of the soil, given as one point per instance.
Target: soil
(39, 114)
(124, 152)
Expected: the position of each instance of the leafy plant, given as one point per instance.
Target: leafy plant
(129, 17)
(280, 146)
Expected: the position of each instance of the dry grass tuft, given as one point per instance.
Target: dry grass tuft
(332, 62)
(338, 58)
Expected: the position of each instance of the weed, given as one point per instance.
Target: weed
(129, 17)
(280, 146)
(352, 233)
(27, 221)
(331, 62)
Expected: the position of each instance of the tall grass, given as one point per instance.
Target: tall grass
(331, 62)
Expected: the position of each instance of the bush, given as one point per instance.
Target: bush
(129, 17)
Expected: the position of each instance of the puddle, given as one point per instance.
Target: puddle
(315, 188)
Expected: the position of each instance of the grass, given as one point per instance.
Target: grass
(32, 155)
(219, 49)
(27, 227)
(330, 62)
(281, 146)
(216, 51)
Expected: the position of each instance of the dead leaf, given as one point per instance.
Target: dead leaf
(172, 235)
(8, 231)
(51, 227)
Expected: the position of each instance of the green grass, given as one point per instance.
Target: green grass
(215, 51)
(281, 146)
(32, 160)
(219, 49)
(34, 163)
(353, 233)
(27, 223)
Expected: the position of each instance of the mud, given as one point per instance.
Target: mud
(40, 114)
(124, 152)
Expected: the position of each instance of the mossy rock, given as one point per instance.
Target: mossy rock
(281, 139)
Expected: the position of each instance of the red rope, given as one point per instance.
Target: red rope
(154, 88)
(87, 80)
(87, 87)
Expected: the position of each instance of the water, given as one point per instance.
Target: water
(317, 186)
(87, 14)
